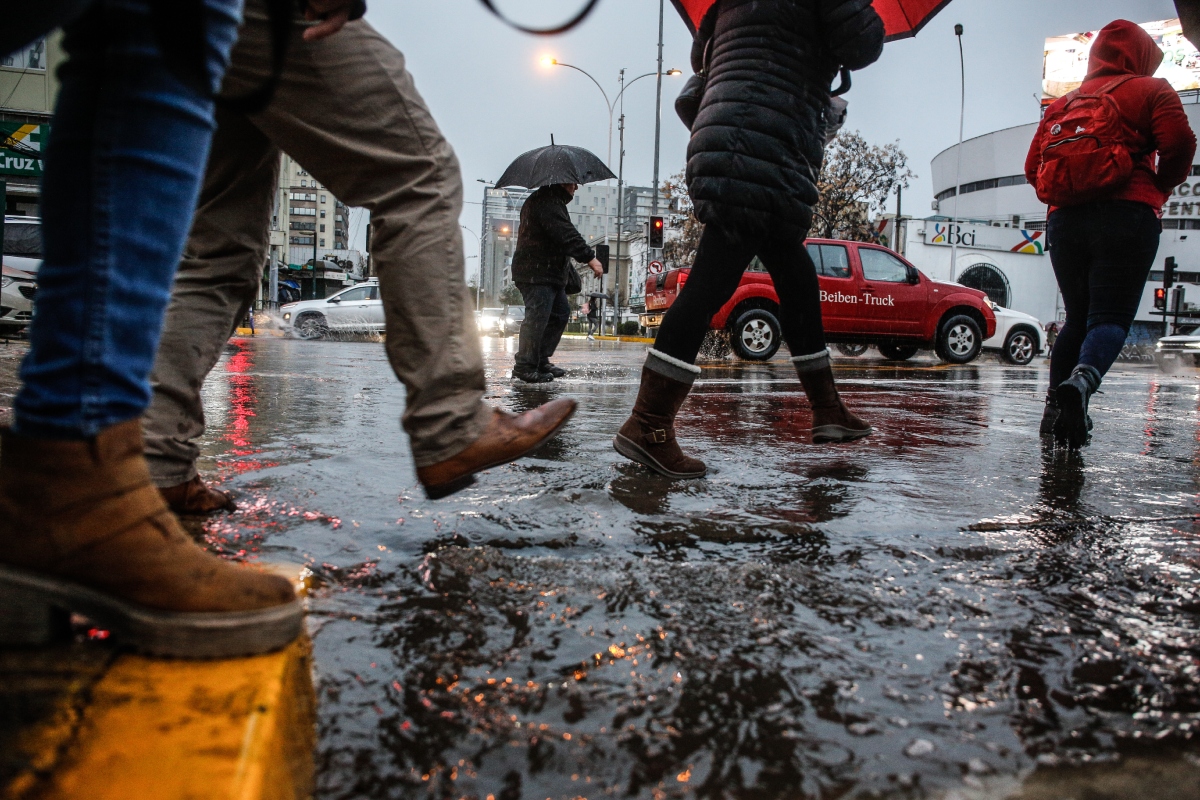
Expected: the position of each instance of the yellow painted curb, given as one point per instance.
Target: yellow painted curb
(607, 338)
(159, 729)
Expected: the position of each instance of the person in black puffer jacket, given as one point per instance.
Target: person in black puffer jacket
(753, 159)
(546, 242)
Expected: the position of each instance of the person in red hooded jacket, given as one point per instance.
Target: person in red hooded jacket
(1102, 250)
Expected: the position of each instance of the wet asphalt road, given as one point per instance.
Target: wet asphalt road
(946, 609)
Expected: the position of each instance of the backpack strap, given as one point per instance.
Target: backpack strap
(1118, 82)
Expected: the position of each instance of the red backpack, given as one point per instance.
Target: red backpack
(1086, 153)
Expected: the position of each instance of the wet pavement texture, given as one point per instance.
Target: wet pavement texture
(946, 609)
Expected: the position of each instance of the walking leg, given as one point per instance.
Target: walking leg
(556, 323)
(795, 278)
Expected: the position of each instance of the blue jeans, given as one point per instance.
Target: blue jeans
(123, 166)
(546, 315)
(1102, 254)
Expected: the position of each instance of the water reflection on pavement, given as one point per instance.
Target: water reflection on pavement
(945, 607)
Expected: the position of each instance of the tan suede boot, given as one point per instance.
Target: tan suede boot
(648, 436)
(832, 421)
(83, 529)
(196, 498)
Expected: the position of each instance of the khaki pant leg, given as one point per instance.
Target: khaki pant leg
(216, 283)
(347, 110)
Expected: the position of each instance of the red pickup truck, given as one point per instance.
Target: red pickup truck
(869, 296)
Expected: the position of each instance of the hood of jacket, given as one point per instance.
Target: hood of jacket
(1123, 48)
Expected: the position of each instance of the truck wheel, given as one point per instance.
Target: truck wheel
(895, 352)
(756, 335)
(1020, 347)
(960, 340)
(311, 326)
(852, 350)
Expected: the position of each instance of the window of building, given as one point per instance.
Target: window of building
(301, 240)
(301, 226)
(831, 260)
(322, 198)
(1181, 224)
(322, 229)
(881, 266)
(31, 56)
(308, 198)
(322, 243)
(322, 213)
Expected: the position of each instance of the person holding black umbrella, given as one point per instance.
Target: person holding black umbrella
(756, 148)
(546, 243)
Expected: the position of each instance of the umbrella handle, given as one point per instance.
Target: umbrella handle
(842, 88)
(566, 26)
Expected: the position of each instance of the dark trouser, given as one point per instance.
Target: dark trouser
(546, 314)
(1102, 254)
(714, 278)
(594, 324)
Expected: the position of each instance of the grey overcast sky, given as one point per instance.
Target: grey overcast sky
(494, 99)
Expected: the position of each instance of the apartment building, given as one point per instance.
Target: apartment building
(28, 88)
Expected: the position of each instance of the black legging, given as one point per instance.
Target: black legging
(714, 278)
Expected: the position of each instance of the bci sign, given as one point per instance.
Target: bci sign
(984, 237)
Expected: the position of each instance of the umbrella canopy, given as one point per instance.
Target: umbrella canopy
(901, 18)
(556, 163)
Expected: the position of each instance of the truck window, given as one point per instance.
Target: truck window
(880, 266)
(831, 260)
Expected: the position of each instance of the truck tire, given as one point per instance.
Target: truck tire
(959, 340)
(756, 335)
(1020, 346)
(311, 326)
(897, 352)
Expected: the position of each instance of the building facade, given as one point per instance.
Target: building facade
(28, 89)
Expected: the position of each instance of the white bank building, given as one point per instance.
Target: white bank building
(1000, 230)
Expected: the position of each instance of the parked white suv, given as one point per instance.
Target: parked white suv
(358, 309)
(21, 261)
(1019, 337)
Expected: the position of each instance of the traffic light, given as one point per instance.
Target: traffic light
(602, 256)
(1160, 299)
(1169, 272)
(656, 232)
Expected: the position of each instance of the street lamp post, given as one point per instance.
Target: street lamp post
(962, 108)
(479, 274)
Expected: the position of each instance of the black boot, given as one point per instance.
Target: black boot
(648, 436)
(1073, 394)
(832, 421)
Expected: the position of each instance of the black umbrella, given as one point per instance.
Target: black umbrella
(556, 163)
(598, 296)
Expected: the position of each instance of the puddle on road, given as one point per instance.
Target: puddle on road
(943, 610)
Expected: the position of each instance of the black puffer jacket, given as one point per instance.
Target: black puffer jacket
(547, 238)
(757, 142)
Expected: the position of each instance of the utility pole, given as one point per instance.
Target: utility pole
(316, 215)
(658, 115)
(620, 213)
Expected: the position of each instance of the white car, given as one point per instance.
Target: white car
(358, 309)
(1019, 337)
(490, 321)
(21, 261)
(1180, 349)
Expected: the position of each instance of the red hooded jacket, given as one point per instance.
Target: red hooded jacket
(1149, 106)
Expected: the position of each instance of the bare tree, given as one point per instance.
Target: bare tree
(683, 236)
(856, 179)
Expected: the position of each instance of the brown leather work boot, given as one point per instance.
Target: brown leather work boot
(648, 436)
(507, 438)
(832, 421)
(83, 529)
(196, 498)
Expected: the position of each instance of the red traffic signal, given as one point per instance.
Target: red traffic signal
(655, 236)
(1160, 299)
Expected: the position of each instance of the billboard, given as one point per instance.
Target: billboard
(21, 148)
(1066, 58)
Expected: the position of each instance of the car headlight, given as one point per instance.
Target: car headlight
(5, 282)
(1193, 345)
(287, 316)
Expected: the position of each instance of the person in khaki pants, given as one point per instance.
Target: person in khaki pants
(347, 110)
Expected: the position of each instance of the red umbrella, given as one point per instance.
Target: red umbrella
(901, 18)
